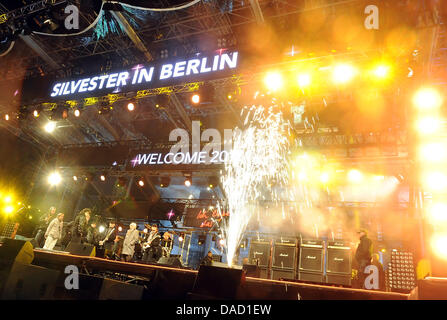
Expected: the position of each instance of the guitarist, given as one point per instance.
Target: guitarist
(151, 246)
(109, 240)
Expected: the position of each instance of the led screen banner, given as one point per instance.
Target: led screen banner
(203, 218)
(200, 67)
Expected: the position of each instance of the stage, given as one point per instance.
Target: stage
(176, 283)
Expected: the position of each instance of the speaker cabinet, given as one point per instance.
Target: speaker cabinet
(284, 256)
(118, 290)
(339, 279)
(338, 258)
(28, 282)
(311, 277)
(79, 249)
(217, 282)
(431, 288)
(259, 252)
(264, 273)
(16, 251)
(311, 259)
(284, 274)
(252, 270)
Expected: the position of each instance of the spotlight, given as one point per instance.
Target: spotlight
(381, 71)
(101, 229)
(75, 178)
(222, 242)
(437, 213)
(7, 199)
(50, 126)
(355, 176)
(120, 228)
(161, 101)
(427, 98)
(36, 112)
(131, 106)
(433, 152)
(165, 181)
(145, 230)
(302, 176)
(439, 245)
(213, 182)
(105, 108)
(343, 73)
(188, 182)
(435, 181)
(77, 112)
(304, 80)
(180, 238)
(324, 177)
(54, 178)
(195, 98)
(8, 209)
(141, 183)
(428, 125)
(7, 117)
(102, 177)
(273, 81)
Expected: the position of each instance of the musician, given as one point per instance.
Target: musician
(54, 232)
(363, 254)
(132, 237)
(151, 246)
(92, 234)
(109, 240)
(42, 227)
(208, 260)
(166, 243)
(80, 226)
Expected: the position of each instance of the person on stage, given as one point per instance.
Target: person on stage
(80, 226)
(363, 255)
(131, 239)
(92, 234)
(109, 240)
(166, 244)
(207, 260)
(151, 246)
(44, 221)
(54, 232)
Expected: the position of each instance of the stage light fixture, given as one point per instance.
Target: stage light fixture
(381, 71)
(145, 230)
(7, 199)
(77, 113)
(428, 125)
(165, 181)
(355, 176)
(8, 209)
(304, 80)
(75, 178)
(435, 181)
(439, 245)
(120, 228)
(195, 98)
(102, 177)
(433, 152)
(324, 177)
(188, 182)
(141, 183)
(427, 98)
(101, 229)
(302, 176)
(222, 242)
(161, 101)
(131, 106)
(36, 112)
(437, 213)
(343, 73)
(50, 126)
(273, 81)
(181, 238)
(7, 117)
(54, 178)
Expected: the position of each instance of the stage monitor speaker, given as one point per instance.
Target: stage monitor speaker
(338, 258)
(278, 274)
(170, 261)
(16, 251)
(311, 259)
(339, 279)
(264, 273)
(259, 251)
(79, 249)
(118, 290)
(284, 256)
(431, 288)
(310, 277)
(29, 282)
(218, 283)
(252, 270)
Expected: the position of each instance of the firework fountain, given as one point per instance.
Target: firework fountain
(257, 169)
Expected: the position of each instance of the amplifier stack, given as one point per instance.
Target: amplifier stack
(338, 269)
(259, 254)
(284, 259)
(311, 261)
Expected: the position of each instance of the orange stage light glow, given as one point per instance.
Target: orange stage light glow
(439, 245)
(427, 98)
